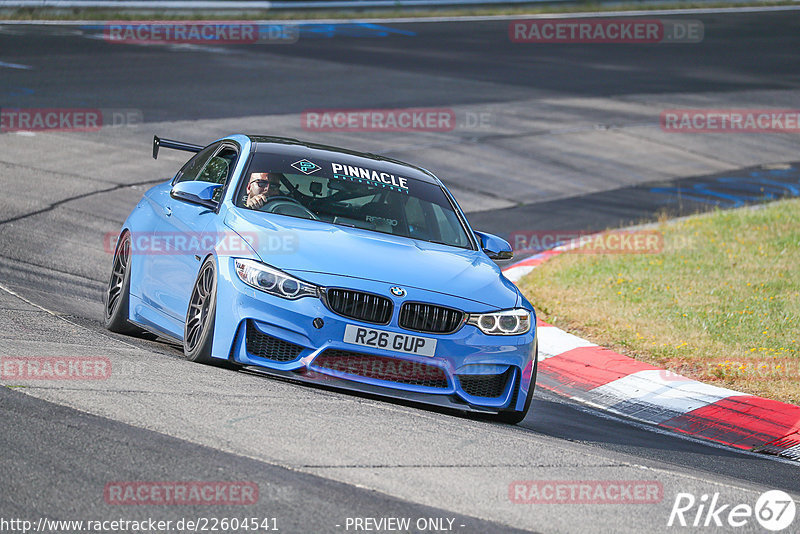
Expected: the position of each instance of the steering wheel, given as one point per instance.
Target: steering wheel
(282, 202)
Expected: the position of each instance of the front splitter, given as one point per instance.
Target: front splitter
(350, 386)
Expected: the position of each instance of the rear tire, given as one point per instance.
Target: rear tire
(116, 301)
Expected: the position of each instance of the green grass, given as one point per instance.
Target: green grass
(301, 14)
(720, 303)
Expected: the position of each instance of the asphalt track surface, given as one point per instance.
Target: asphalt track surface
(320, 456)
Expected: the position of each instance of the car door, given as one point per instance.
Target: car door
(152, 261)
(187, 235)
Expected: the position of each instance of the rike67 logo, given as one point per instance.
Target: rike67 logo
(774, 510)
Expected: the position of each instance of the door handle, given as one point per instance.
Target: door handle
(167, 211)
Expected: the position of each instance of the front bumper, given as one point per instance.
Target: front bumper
(465, 358)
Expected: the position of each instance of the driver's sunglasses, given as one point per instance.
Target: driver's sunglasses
(265, 183)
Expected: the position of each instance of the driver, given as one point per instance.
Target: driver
(261, 186)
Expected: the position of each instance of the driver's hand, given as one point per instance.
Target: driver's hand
(256, 201)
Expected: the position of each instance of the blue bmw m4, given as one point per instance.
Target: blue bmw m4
(329, 266)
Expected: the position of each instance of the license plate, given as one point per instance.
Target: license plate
(381, 339)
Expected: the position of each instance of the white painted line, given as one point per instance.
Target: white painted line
(467, 18)
(645, 12)
(15, 66)
(792, 452)
(554, 341)
(26, 301)
(56, 315)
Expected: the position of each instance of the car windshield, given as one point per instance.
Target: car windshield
(355, 196)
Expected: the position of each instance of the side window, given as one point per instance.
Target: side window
(191, 170)
(219, 169)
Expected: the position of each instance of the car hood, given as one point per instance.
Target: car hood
(304, 247)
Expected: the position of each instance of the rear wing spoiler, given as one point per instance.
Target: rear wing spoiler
(177, 145)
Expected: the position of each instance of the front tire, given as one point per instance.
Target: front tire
(198, 332)
(116, 301)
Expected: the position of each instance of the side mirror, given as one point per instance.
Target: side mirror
(196, 192)
(495, 247)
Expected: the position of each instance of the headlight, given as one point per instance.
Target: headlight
(503, 323)
(273, 281)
